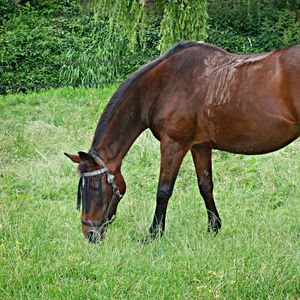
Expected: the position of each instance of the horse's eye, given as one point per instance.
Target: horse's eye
(94, 183)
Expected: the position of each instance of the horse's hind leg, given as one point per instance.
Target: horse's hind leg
(172, 155)
(202, 162)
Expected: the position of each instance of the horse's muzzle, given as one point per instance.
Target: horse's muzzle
(95, 236)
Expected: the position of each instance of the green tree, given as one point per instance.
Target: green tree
(174, 19)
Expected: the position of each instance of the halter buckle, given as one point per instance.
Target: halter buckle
(110, 178)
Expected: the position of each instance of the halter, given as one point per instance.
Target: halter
(84, 180)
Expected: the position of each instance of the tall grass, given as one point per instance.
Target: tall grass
(43, 254)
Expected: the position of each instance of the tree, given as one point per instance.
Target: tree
(177, 19)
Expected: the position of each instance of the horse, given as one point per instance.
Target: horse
(196, 97)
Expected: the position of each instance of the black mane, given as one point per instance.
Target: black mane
(126, 84)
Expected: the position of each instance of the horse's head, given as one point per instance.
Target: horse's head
(98, 190)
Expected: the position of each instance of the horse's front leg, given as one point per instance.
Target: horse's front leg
(172, 154)
(202, 162)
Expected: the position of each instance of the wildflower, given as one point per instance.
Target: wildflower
(213, 273)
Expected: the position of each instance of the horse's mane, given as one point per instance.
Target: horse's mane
(126, 84)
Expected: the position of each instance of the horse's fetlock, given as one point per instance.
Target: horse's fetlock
(214, 223)
(205, 187)
(156, 231)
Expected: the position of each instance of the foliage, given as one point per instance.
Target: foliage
(279, 33)
(183, 20)
(177, 20)
(124, 15)
(6, 8)
(105, 46)
(39, 38)
(253, 25)
(61, 32)
(43, 254)
(33, 41)
(45, 32)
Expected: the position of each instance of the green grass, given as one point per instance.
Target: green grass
(43, 254)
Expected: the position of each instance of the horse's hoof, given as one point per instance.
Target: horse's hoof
(214, 225)
(145, 240)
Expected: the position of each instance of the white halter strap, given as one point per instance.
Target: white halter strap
(94, 173)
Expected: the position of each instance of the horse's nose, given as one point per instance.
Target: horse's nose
(94, 236)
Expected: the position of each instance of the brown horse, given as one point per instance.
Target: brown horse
(196, 97)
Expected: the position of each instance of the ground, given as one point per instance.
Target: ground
(43, 254)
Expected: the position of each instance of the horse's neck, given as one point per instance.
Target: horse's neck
(124, 126)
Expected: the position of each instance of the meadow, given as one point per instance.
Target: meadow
(43, 254)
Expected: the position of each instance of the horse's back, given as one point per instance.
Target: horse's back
(236, 103)
(248, 105)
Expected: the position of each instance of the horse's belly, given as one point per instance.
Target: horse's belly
(254, 138)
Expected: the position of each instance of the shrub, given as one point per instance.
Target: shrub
(60, 32)
(253, 26)
(44, 32)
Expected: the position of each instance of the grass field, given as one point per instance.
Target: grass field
(43, 254)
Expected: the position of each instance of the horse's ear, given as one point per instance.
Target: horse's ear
(88, 159)
(74, 158)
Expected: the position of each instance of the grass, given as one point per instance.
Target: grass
(43, 254)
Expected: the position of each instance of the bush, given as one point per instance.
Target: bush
(29, 37)
(281, 32)
(61, 32)
(44, 32)
(253, 26)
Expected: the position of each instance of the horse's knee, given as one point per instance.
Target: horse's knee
(164, 193)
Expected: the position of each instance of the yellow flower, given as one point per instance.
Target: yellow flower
(213, 273)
